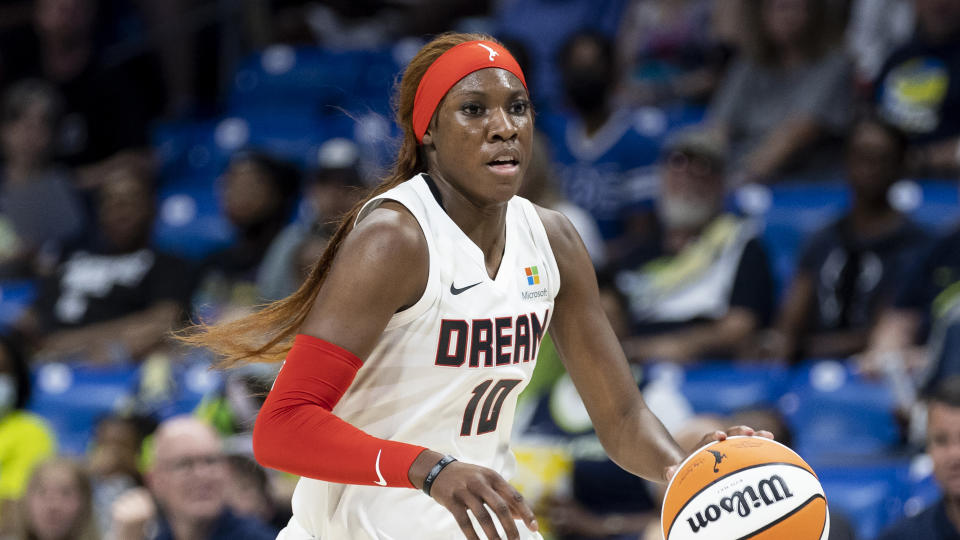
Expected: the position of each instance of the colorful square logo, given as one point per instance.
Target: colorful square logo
(533, 277)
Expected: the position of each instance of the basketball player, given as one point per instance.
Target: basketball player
(420, 324)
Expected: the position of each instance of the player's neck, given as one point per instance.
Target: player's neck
(488, 232)
(484, 225)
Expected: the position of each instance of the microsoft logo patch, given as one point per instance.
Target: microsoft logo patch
(533, 276)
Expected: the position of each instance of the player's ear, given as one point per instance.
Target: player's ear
(427, 138)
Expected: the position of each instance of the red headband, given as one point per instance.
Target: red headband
(449, 68)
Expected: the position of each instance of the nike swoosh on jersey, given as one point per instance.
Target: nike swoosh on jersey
(455, 290)
(381, 481)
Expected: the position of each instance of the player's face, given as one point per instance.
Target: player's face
(943, 445)
(482, 135)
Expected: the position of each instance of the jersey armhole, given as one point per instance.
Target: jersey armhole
(542, 241)
(430, 291)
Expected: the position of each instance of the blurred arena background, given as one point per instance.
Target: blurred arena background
(768, 190)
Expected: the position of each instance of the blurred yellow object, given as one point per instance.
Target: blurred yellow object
(543, 472)
(25, 441)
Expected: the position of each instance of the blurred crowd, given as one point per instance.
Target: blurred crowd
(663, 124)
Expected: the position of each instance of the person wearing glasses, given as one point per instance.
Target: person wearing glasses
(702, 284)
(186, 497)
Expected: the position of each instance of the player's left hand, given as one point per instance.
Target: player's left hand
(720, 436)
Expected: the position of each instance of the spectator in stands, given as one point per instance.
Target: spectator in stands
(258, 197)
(186, 497)
(786, 102)
(847, 272)
(39, 207)
(115, 449)
(113, 460)
(875, 29)
(943, 346)
(372, 23)
(249, 493)
(116, 298)
(543, 26)
(703, 285)
(106, 110)
(58, 504)
(667, 52)
(941, 521)
(918, 88)
(924, 309)
(604, 154)
(330, 192)
(25, 439)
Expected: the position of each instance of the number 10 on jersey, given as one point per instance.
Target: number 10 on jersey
(490, 412)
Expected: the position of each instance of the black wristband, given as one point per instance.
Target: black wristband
(432, 475)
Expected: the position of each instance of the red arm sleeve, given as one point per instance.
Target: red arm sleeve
(296, 431)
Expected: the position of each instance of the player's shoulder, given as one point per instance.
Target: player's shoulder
(561, 233)
(389, 231)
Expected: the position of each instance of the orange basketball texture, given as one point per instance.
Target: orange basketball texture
(745, 487)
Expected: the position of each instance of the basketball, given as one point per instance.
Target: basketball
(745, 487)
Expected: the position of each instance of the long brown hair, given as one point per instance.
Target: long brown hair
(266, 335)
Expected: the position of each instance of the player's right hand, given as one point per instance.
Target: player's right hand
(461, 486)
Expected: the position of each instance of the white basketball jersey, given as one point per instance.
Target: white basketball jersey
(445, 373)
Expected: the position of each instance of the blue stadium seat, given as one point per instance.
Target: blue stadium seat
(202, 149)
(833, 412)
(72, 397)
(294, 138)
(870, 495)
(195, 380)
(181, 385)
(939, 204)
(15, 297)
(921, 487)
(724, 388)
(187, 150)
(171, 142)
(189, 222)
(311, 77)
(795, 212)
